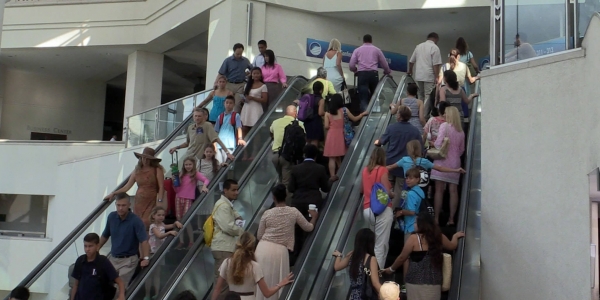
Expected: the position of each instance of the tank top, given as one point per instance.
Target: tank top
(421, 270)
(218, 107)
(455, 100)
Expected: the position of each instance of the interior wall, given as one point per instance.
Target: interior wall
(42, 103)
(290, 45)
(536, 154)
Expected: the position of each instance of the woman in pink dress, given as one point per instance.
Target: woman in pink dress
(452, 129)
(335, 146)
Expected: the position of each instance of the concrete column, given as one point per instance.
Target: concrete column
(144, 82)
(229, 25)
(2, 77)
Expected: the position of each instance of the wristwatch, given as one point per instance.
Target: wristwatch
(146, 258)
(159, 200)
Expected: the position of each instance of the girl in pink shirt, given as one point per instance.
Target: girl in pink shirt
(273, 75)
(186, 193)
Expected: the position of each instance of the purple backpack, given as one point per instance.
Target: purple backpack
(306, 106)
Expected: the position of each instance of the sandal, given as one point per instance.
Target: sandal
(179, 246)
(334, 178)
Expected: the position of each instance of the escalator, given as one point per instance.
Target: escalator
(314, 269)
(466, 262)
(328, 284)
(197, 274)
(52, 273)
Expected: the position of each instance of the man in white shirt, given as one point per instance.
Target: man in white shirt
(259, 60)
(427, 60)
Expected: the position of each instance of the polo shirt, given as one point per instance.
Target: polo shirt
(200, 136)
(425, 56)
(126, 235)
(235, 68)
(278, 129)
(396, 137)
(90, 283)
(226, 131)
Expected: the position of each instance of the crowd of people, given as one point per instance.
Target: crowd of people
(317, 125)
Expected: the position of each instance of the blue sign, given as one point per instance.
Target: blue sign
(550, 46)
(317, 48)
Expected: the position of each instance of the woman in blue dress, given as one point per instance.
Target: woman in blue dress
(363, 254)
(217, 96)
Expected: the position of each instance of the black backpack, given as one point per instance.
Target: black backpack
(425, 206)
(108, 288)
(294, 140)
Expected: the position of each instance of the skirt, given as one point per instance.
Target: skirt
(274, 260)
(423, 291)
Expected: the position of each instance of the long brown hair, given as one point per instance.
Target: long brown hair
(194, 171)
(433, 235)
(453, 58)
(377, 159)
(215, 162)
(240, 263)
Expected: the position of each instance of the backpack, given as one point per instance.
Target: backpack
(209, 227)
(348, 130)
(368, 292)
(424, 181)
(306, 107)
(231, 121)
(108, 288)
(425, 206)
(379, 197)
(294, 140)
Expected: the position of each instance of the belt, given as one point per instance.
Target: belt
(238, 82)
(123, 256)
(244, 294)
(370, 71)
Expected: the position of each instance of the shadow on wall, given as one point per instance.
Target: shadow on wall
(75, 37)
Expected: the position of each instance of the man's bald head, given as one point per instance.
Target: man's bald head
(291, 111)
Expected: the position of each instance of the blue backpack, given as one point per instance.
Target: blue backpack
(379, 198)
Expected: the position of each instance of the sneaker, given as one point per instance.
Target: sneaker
(403, 289)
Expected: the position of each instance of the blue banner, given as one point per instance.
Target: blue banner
(318, 48)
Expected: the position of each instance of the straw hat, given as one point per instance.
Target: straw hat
(147, 153)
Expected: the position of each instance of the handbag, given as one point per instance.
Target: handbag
(368, 291)
(442, 152)
(470, 65)
(348, 130)
(446, 272)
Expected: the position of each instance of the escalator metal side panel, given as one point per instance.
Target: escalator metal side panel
(466, 262)
(238, 168)
(307, 266)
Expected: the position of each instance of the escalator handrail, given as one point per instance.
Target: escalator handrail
(355, 194)
(198, 244)
(454, 292)
(88, 220)
(301, 260)
(133, 287)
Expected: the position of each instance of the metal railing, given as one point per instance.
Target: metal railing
(156, 123)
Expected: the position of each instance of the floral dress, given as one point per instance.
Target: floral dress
(356, 284)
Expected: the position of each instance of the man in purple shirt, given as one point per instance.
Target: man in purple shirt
(364, 62)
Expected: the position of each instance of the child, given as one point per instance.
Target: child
(186, 193)
(410, 209)
(229, 128)
(414, 160)
(158, 232)
(94, 273)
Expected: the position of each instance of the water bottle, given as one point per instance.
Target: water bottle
(175, 169)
